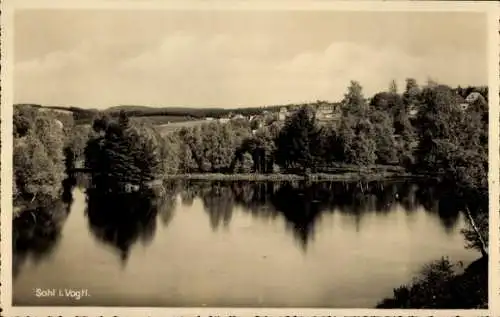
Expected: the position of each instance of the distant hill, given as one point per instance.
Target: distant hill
(129, 108)
(164, 115)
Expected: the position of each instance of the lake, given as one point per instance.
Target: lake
(331, 244)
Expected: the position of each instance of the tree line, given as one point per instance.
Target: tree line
(423, 129)
(441, 138)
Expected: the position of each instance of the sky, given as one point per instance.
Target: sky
(104, 58)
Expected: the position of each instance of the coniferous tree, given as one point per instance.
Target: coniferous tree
(411, 95)
(124, 154)
(354, 101)
(393, 87)
(297, 144)
(356, 129)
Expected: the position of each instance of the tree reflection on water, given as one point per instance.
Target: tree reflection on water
(36, 234)
(36, 231)
(301, 204)
(121, 220)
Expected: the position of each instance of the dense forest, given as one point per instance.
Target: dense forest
(432, 130)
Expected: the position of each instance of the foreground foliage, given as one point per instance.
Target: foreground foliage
(440, 286)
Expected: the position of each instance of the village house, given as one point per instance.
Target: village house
(472, 98)
(463, 103)
(282, 114)
(326, 111)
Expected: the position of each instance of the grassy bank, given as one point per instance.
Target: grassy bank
(336, 172)
(348, 176)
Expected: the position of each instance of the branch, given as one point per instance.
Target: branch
(483, 246)
(33, 199)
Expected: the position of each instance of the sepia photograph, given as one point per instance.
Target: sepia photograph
(236, 158)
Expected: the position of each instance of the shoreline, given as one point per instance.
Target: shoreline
(277, 177)
(314, 177)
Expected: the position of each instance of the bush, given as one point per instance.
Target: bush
(246, 164)
(439, 286)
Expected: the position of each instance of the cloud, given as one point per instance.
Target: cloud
(227, 70)
(55, 61)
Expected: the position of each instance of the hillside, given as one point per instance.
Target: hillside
(165, 115)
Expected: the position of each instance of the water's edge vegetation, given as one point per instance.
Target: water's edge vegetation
(295, 177)
(424, 132)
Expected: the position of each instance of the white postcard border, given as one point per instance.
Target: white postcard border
(8, 8)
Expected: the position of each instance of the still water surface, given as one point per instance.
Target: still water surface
(243, 244)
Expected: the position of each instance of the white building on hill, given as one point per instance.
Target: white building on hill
(475, 97)
(326, 111)
(282, 114)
